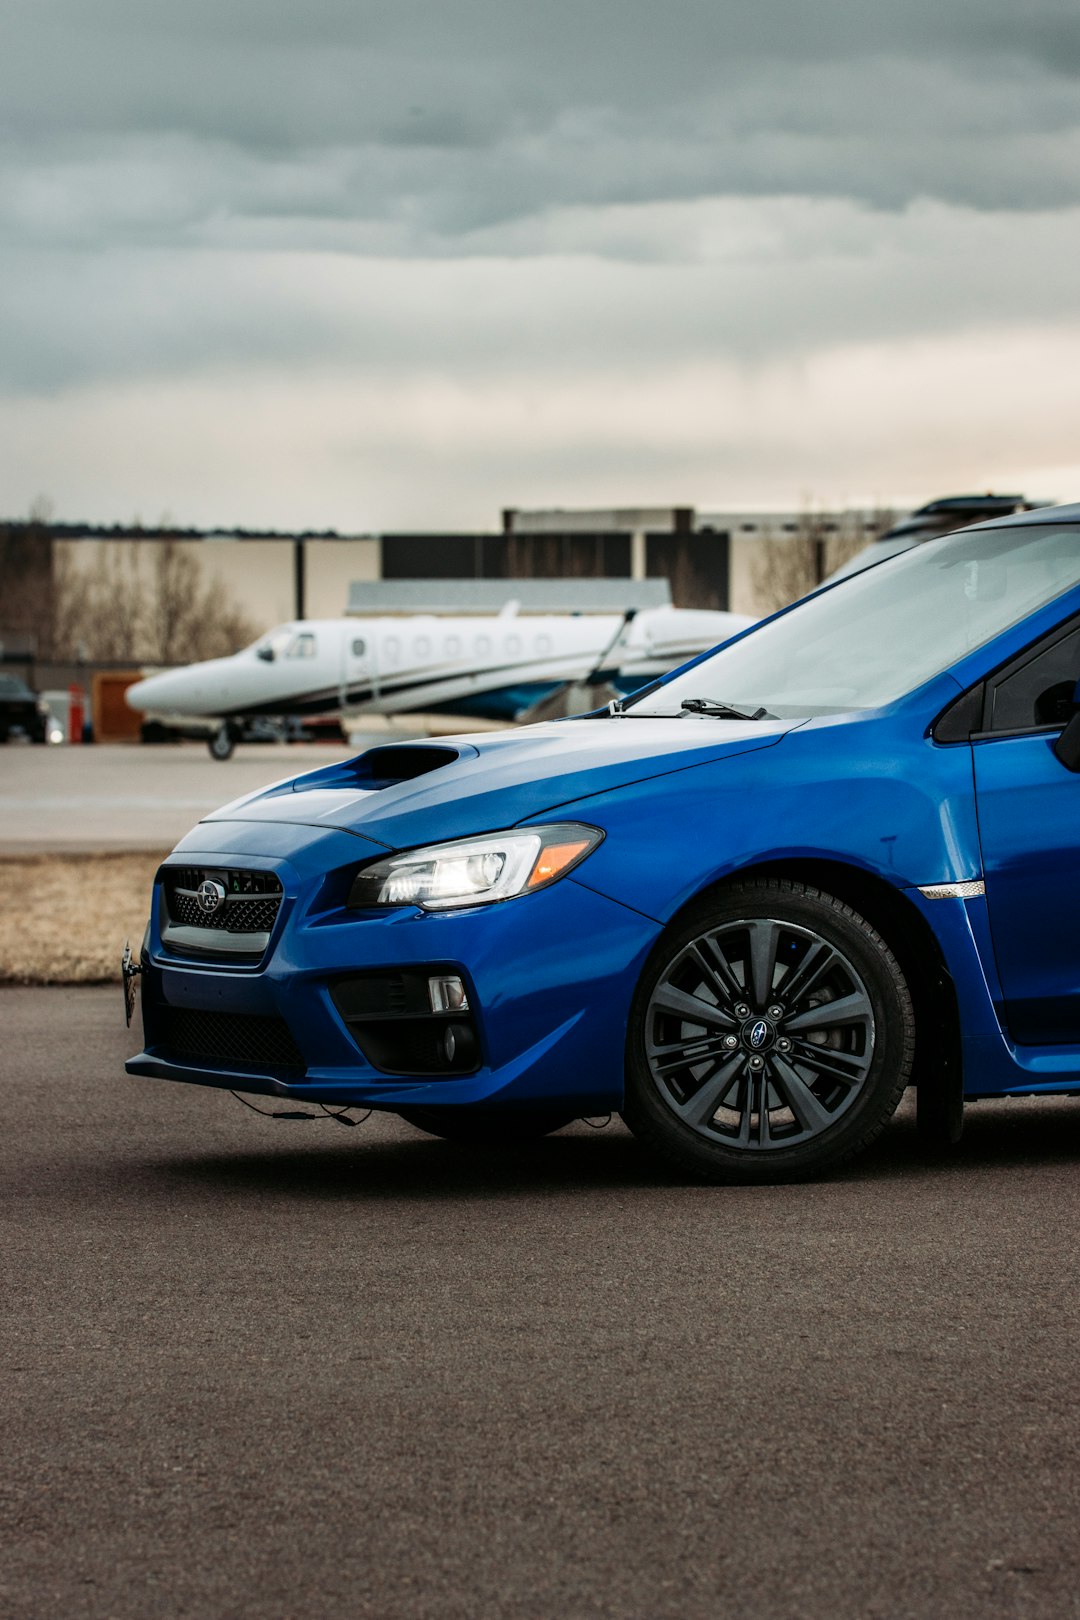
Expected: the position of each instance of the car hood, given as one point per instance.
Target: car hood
(412, 793)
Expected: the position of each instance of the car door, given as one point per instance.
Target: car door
(1028, 808)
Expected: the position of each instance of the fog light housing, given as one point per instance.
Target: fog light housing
(447, 993)
(459, 1046)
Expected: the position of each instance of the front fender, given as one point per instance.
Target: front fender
(859, 792)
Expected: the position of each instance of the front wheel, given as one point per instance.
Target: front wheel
(484, 1125)
(222, 743)
(771, 1036)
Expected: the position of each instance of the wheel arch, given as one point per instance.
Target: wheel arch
(938, 1050)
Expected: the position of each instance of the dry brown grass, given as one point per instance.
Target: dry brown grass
(64, 918)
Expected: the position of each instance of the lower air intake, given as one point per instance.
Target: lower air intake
(224, 1040)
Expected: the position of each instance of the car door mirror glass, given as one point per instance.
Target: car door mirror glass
(1056, 705)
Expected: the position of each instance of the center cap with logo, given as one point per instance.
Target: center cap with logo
(210, 895)
(758, 1034)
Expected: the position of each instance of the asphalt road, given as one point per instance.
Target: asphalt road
(261, 1369)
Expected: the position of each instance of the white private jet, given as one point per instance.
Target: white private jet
(478, 667)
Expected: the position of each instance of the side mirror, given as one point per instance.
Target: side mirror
(1067, 746)
(266, 654)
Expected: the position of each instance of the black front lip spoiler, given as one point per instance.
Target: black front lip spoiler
(146, 1065)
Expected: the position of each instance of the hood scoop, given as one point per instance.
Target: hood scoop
(336, 793)
(387, 766)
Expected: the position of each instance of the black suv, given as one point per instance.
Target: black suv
(21, 711)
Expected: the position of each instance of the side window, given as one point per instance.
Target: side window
(358, 649)
(1039, 691)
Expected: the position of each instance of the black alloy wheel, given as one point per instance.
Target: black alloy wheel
(485, 1125)
(771, 1036)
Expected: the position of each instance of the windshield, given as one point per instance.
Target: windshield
(886, 631)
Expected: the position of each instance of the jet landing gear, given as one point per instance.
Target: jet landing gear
(223, 741)
(266, 728)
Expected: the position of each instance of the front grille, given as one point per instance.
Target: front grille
(251, 903)
(225, 1039)
(239, 915)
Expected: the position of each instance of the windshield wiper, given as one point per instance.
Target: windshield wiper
(722, 711)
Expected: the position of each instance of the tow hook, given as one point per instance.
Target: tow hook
(130, 971)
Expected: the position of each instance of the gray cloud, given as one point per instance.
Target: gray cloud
(430, 201)
(665, 285)
(460, 116)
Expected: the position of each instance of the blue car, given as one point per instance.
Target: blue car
(747, 907)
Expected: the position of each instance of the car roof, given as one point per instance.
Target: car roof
(1041, 514)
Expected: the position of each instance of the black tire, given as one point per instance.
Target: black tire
(483, 1125)
(767, 990)
(222, 743)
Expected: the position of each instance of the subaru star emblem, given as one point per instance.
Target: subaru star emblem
(759, 1034)
(210, 895)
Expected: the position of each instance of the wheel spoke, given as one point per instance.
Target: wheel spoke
(800, 1099)
(676, 1055)
(801, 980)
(700, 1108)
(852, 1009)
(709, 953)
(759, 1093)
(846, 1066)
(764, 941)
(691, 1008)
(746, 1102)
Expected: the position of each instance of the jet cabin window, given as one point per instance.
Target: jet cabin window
(301, 646)
(358, 649)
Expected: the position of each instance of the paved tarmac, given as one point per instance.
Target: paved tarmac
(102, 797)
(272, 1370)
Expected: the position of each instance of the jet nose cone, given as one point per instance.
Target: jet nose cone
(135, 696)
(156, 692)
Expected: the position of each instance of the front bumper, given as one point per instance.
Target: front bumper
(549, 977)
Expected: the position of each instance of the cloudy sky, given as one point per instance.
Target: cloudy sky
(397, 263)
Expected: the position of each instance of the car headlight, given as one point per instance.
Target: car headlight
(475, 871)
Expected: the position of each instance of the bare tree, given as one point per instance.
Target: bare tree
(25, 578)
(119, 611)
(787, 566)
(190, 618)
(117, 600)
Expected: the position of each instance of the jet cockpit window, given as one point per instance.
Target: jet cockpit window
(275, 644)
(301, 645)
